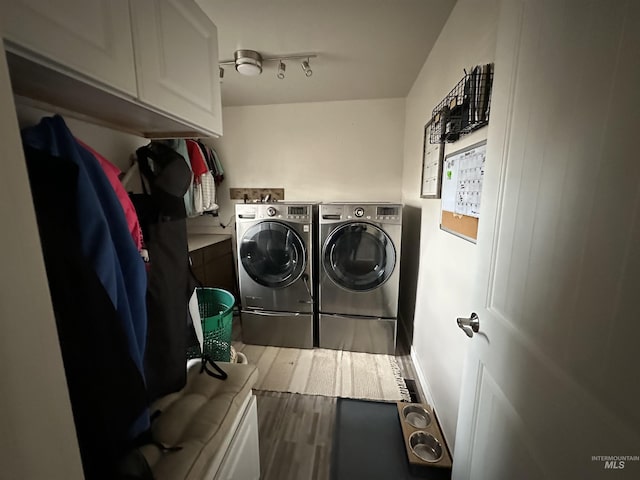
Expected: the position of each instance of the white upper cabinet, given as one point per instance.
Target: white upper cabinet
(176, 50)
(143, 66)
(90, 37)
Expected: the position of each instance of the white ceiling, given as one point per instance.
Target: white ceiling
(366, 48)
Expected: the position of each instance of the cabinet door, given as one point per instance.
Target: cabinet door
(176, 50)
(90, 37)
(242, 459)
(220, 273)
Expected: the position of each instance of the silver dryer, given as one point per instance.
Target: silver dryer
(359, 273)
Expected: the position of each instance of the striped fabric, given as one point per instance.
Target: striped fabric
(332, 373)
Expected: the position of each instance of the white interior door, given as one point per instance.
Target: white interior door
(551, 383)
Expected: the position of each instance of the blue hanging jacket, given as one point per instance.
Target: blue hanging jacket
(104, 237)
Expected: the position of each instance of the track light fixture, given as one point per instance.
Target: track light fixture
(281, 68)
(305, 67)
(249, 62)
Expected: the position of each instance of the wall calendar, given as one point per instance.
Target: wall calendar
(462, 176)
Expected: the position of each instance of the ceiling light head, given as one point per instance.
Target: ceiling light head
(248, 62)
(305, 66)
(281, 68)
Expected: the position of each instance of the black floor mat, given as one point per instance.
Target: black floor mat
(368, 444)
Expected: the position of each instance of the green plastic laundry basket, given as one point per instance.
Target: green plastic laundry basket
(216, 313)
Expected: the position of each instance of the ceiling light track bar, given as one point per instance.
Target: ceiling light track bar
(297, 56)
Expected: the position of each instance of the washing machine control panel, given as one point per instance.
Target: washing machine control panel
(292, 213)
(381, 213)
(298, 212)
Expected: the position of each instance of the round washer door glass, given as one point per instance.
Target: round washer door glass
(273, 254)
(359, 256)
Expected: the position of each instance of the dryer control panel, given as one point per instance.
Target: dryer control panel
(378, 213)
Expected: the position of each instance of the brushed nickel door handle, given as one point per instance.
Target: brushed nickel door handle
(469, 325)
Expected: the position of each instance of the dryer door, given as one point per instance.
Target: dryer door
(358, 256)
(273, 254)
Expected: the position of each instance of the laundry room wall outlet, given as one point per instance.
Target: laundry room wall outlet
(256, 194)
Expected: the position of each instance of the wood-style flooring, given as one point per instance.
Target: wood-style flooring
(295, 435)
(296, 431)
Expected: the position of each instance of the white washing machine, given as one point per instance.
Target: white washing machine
(275, 273)
(359, 274)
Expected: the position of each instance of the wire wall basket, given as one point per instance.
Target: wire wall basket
(465, 108)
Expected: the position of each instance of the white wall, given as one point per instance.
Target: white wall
(446, 263)
(326, 151)
(38, 438)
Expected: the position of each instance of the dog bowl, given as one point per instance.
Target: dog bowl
(425, 446)
(416, 416)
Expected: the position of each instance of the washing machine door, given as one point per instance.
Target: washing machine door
(273, 254)
(358, 256)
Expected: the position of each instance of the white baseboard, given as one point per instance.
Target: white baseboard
(424, 383)
(426, 388)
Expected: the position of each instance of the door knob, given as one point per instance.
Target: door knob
(469, 325)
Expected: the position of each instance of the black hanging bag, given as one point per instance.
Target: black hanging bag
(162, 216)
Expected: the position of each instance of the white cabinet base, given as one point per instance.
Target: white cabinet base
(242, 458)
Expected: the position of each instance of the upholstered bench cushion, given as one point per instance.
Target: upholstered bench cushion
(198, 418)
